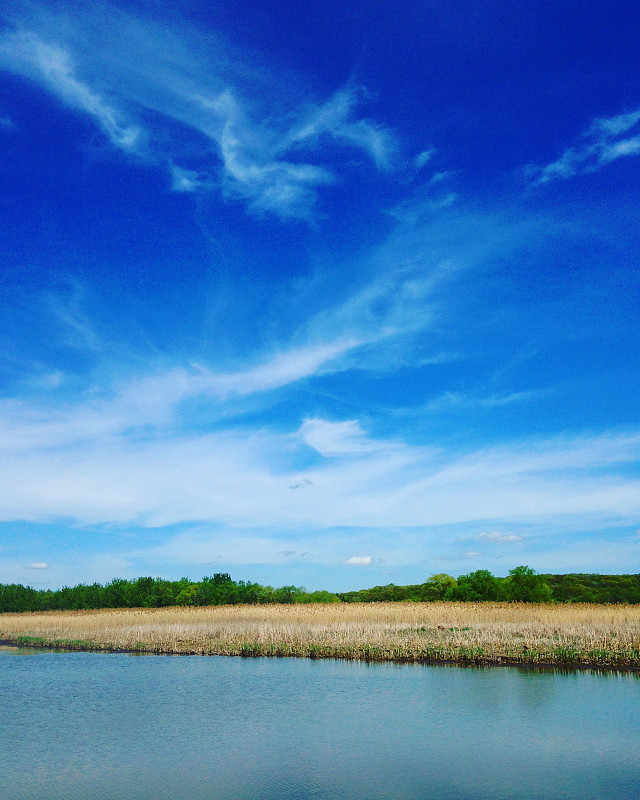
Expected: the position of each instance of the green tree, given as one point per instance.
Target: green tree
(476, 586)
(437, 586)
(320, 596)
(287, 594)
(187, 595)
(524, 585)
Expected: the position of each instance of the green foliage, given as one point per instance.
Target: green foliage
(317, 597)
(435, 588)
(522, 585)
(213, 590)
(379, 594)
(476, 586)
(187, 596)
(590, 588)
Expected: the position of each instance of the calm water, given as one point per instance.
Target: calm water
(82, 725)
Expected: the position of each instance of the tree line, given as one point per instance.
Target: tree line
(215, 590)
(522, 584)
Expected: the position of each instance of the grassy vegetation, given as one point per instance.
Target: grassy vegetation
(466, 633)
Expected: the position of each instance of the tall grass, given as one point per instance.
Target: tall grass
(482, 633)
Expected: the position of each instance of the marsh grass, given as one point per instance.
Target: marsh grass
(471, 633)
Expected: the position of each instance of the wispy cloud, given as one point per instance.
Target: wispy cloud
(356, 334)
(38, 565)
(428, 196)
(302, 484)
(467, 555)
(457, 400)
(186, 180)
(334, 119)
(338, 439)
(398, 301)
(493, 537)
(50, 65)
(65, 306)
(606, 140)
(422, 158)
(154, 400)
(251, 168)
(268, 154)
(497, 536)
(93, 468)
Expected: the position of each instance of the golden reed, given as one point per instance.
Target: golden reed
(471, 633)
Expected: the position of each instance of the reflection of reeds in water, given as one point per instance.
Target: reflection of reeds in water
(483, 633)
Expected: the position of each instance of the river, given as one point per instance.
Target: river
(79, 726)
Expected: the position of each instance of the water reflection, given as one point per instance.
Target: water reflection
(83, 725)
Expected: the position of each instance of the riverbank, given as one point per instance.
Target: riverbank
(466, 633)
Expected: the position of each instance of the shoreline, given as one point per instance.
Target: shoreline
(60, 646)
(466, 634)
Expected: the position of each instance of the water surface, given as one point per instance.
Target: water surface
(113, 726)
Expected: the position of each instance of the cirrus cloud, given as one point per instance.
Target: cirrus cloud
(142, 81)
(606, 140)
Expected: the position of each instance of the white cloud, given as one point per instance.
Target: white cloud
(598, 146)
(438, 177)
(457, 400)
(391, 307)
(38, 565)
(302, 484)
(422, 158)
(185, 180)
(96, 469)
(53, 379)
(498, 536)
(335, 439)
(268, 147)
(132, 453)
(397, 302)
(359, 561)
(155, 400)
(614, 126)
(333, 118)
(25, 53)
(209, 545)
(284, 368)
(425, 206)
(467, 555)
(250, 167)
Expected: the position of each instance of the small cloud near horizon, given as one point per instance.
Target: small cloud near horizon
(491, 536)
(301, 484)
(468, 554)
(360, 561)
(498, 536)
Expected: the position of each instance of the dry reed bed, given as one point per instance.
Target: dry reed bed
(482, 633)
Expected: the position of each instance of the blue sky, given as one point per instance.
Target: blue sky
(331, 294)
